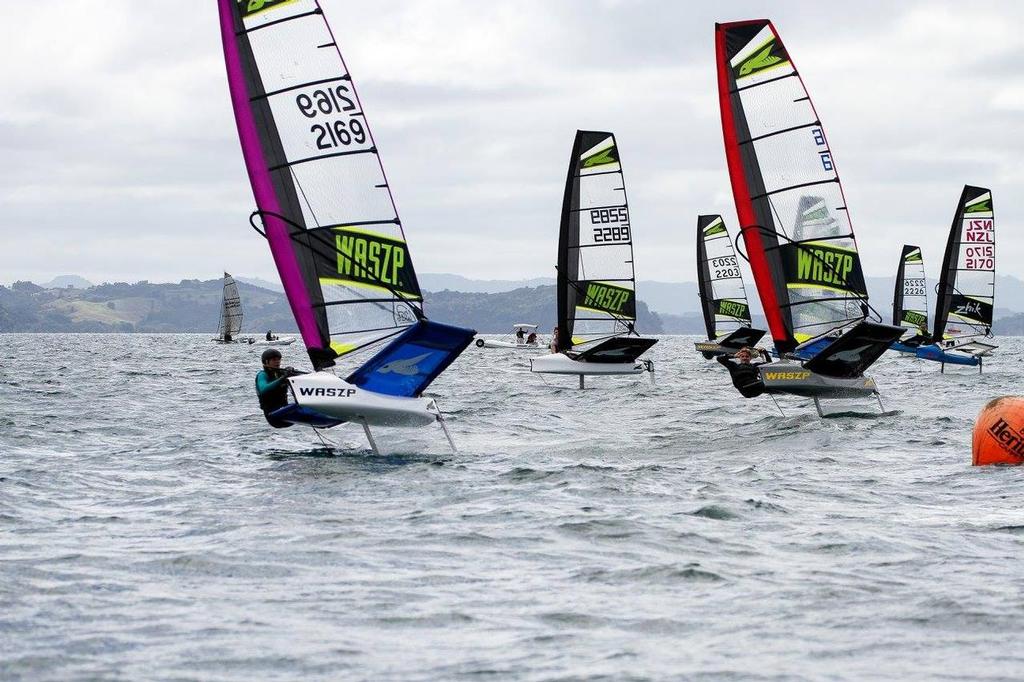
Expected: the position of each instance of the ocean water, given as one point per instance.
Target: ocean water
(152, 526)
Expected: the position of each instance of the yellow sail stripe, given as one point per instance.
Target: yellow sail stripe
(342, 348)
(852, 294)
(363, 285)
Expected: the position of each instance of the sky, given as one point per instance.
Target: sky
(122, 162)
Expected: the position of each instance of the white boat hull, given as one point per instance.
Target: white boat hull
(498, 343)
(286, 341)
(560, 363)
(334, 397)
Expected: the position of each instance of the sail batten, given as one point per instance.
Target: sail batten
(792, 212)
(317, 178)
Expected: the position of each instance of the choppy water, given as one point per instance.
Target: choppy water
(153, 527)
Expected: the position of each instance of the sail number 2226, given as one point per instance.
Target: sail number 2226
(332, 101)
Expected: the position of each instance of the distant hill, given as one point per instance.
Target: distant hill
(432, 281)
(495, 313)
(194, 306)
(188, 306)
(65, 281)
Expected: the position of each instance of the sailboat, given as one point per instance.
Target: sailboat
(325, 208)
(230, 314)
(596, 280)
(723, 297)
(910, 301)
(794, 221)
(967, 283)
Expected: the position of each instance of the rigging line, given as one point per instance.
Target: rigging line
(366, 271)
(856, 295)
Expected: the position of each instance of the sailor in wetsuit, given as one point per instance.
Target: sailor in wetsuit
(272, 386)
(745, 375)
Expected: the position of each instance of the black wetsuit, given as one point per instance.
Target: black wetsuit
(272, 390)
(745, 377)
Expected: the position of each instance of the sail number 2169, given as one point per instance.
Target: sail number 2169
(332, 101)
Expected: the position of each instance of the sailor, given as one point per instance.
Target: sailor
(272, 386)
(554, 341)
(270, 337)
(745, 375)
(227, 337)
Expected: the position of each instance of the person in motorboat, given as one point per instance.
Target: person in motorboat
(746, 377)
(270, 336)
(272, 386)
(554, 341)
(519, 335)
(531, 340)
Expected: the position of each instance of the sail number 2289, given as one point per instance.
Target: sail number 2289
(610, 224)
(332, 101)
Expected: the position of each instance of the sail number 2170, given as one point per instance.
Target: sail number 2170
(332, 101)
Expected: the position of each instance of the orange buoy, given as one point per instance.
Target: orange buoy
(999, 432)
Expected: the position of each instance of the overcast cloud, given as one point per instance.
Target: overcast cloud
(121, 160)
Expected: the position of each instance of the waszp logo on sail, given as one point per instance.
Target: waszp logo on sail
(824, 267)
(732, 309)
(370, 258)
(602, 297)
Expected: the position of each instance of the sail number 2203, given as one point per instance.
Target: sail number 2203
(332, 101)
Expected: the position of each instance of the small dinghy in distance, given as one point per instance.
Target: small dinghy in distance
(967, 284)
(514, 340)
(794, 222)
(331, 224)
(596, 281)
(230, 314)
(910, 301)
(723, 298)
